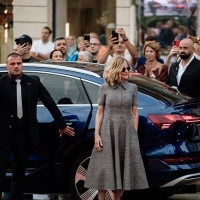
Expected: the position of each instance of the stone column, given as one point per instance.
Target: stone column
(198, 19)
(31, 16)
(125, 18)
(60, 17)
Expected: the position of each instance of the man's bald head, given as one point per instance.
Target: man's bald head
(186, 49)
(188, 42)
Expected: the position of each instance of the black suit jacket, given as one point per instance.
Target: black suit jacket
(34, 90)
(190, 80)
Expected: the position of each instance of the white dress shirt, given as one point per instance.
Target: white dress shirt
(181, 69)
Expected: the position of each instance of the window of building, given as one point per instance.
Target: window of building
(91, 16)
(6, 28)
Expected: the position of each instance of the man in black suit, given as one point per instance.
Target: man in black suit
(19, 94)
(185, 75)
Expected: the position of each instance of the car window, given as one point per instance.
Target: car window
(146, 100)
(158, 90)
(64, 90)
(92, 90)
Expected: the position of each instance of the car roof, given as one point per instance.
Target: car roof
(87, 66)
(92, 69)
(148, 86)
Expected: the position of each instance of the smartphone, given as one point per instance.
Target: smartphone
(23, 43)
(176, 43)
(87, 37)
(115, 35)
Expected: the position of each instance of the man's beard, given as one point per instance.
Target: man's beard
(185, 56)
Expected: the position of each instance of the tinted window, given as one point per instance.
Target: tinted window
(158, 90)
(146, 100)
(93, 91)
(64, 90)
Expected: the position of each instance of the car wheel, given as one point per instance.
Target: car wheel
(77, 179)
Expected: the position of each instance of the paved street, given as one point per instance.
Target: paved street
(174, 197)
(185, 197)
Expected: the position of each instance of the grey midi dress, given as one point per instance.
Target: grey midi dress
(119, 165)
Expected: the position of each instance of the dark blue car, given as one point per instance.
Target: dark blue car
(169, 134)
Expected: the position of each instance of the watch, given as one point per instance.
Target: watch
(125, 39)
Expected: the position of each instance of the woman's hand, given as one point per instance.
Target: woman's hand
(148, 69)
(98, 143)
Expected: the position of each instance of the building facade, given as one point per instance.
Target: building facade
(80, 16)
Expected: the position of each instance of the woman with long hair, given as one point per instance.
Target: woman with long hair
(152, 68)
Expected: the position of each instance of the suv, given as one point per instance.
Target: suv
(169, 133)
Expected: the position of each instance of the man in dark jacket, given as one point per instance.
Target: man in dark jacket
(19, 94)
(185, 75)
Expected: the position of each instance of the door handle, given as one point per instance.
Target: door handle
(71, 121)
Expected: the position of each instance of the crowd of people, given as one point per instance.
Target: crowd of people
(163, 30)
(149, 64)
(73, 48)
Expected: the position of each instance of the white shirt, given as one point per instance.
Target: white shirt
(182, 69)
(39, 47)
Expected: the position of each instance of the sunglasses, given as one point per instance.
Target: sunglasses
(126, 68)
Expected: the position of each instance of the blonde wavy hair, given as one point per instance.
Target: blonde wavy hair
(154, 46)
(113, 68)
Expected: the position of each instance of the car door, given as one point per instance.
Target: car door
(69, 94)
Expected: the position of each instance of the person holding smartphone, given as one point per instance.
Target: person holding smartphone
(82, 45)
(23, 47)
(174, 53)
(117, 47)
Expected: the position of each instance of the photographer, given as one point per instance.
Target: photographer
(118, 43)
(23, 47)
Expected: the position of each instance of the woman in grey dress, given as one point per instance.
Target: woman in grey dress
(116, 163)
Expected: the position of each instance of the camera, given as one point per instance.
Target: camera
(115, 35)
(87, 37)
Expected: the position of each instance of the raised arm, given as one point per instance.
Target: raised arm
(104, 57)
(174, 50)
(131, 49)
